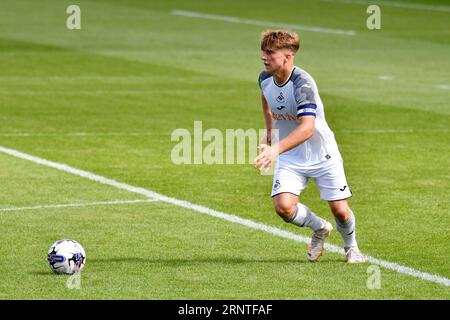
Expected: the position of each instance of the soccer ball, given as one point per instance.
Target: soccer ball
(66, 256)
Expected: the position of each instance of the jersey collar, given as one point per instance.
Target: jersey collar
(283, 84)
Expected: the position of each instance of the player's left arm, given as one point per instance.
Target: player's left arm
(303, 132)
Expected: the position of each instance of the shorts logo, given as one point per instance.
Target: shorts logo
(277, 185)
(343, 188)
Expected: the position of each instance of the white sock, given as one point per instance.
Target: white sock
(303, 217)
(348, 230)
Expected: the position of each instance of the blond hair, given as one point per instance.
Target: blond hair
(280, 39)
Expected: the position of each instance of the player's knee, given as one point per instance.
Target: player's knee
(342, 213)
(285, 211)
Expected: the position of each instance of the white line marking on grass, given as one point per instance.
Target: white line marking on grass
(245, 222)
(261, 23)
(405, 5)
(442, 86)
(86, 204)
(81, 173)
(384, 77)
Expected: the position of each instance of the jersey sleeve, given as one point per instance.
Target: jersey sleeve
(262, 76)
(305, 97)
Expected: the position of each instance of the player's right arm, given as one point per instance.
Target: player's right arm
(305, 98)
(267, 139)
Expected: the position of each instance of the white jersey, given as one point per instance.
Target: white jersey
(298, 97)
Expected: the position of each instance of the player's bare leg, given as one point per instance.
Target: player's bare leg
(290, 210)
(345, 224)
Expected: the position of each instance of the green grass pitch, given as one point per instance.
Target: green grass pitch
(135, 72)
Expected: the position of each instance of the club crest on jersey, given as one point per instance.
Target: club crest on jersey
(280, 98)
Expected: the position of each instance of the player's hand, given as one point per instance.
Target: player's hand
(266, 157)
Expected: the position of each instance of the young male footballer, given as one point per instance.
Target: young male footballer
(306, 147)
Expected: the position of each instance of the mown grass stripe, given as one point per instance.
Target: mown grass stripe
(232, 218)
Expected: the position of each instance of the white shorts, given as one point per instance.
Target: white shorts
(329, 178)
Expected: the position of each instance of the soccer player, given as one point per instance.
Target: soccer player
(306, 147)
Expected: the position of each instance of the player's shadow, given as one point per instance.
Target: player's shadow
(177, 262)
(218, 260)
(48, 273)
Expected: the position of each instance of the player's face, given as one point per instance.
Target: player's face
(273, 60)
